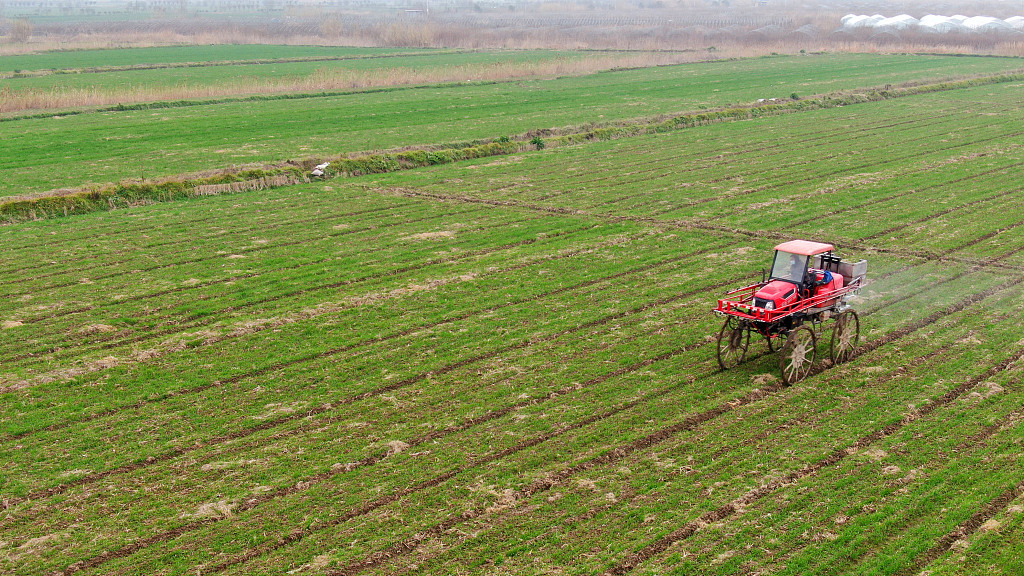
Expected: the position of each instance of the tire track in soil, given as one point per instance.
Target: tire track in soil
(370, 341)
(895, 196)
(179, 325)
(758, 438)
(176, 242)
(178, 328)
(901, 371)
(175, 534)
(312, 425)
(711, 159)
(138, 227)
(964, 530)
(808, 470)
(712, 163)
(971, 443)
(411, 544)
(915, 121)
(267, 424)
(947, 211)
(704, 226)
(689, 423)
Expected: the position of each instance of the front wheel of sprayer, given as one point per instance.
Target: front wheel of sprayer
(798, 354)
(733, 341)
(845, 336)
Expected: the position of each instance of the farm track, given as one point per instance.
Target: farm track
(688, 424)
(370, 341)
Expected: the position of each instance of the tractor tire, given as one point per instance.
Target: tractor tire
(845, 336)
(798, 354)
(733, 341)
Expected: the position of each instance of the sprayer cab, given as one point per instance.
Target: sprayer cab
(799, 271)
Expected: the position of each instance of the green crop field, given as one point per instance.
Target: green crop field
(77, 60)
(56, 152)
(507, 365)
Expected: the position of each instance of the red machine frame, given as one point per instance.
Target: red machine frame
(798, 353)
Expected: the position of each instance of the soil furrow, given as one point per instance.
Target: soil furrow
(963, 531)
(729, 509)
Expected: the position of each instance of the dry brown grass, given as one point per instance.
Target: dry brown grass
(329, 79)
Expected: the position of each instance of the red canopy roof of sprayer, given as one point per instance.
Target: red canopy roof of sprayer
(804, 247)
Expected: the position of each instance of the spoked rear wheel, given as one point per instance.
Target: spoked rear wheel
(797, 355)
(733, 341)
(845, 336)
